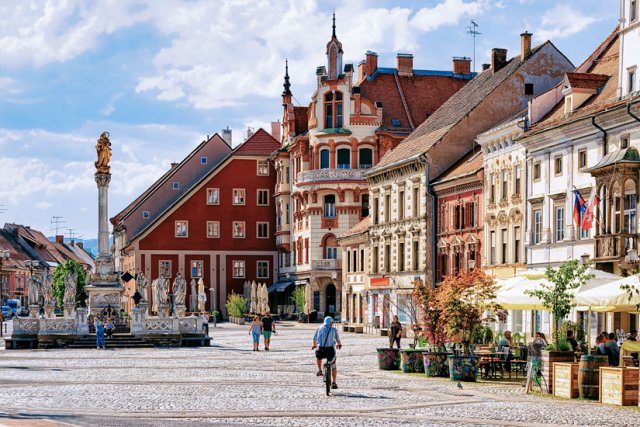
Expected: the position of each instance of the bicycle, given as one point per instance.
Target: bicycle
(327, 376)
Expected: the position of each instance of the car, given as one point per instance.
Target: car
(7, 313)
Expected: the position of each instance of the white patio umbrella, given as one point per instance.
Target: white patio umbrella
(265, 298)
(609, 296)
(254, 298)
(307, 299)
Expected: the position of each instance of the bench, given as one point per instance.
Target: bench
(198, 341)
(13, 343)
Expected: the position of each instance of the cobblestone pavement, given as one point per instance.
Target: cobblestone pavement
(229, 384)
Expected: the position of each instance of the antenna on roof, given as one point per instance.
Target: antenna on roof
(56, 222)
(2, 209)
(72, 233)
(473, 30)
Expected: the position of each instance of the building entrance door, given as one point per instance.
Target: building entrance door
(330, 299)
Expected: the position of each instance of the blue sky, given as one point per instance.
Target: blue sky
(160, 76)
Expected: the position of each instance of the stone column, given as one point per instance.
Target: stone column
(102, 180)
(81, 319)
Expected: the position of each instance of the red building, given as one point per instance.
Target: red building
(220, 228)
(459, 215)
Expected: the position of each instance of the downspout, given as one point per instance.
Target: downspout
(597, 126)
(434, 220)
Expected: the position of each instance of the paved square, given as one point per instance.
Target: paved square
(231, 385)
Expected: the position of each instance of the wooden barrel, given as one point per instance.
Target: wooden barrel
(589, 375)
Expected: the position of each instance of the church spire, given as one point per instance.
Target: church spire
(334, 24)
(287, 84)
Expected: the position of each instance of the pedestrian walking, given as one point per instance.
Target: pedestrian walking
(268, 328)
(254, 331)
(205, 323)
(395, 332)
(99, 334)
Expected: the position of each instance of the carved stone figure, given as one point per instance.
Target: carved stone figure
(154, 292)
(142, 283)
(47, 290)
(163, 290)
(34, 289)
(179, 290)
(70, 285)
(103, 149)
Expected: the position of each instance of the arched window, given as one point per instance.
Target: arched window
(333, 110)
(366, 158)
(330, 206)
(330, 245)
(324, 159)
(344, 158)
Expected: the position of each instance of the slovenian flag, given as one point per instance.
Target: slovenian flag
(579, 207)
(587, 218)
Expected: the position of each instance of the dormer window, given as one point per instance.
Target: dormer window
(333, 110)
(176, 185)
(568, 101)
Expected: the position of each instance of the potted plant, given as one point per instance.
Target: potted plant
(557, 296)
(236, 308)
(463, 300)
(435, 356)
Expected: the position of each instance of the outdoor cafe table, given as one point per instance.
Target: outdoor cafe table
(493, 356)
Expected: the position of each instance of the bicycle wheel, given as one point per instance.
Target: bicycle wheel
(327, 377)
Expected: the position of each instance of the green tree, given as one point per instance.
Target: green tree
(556, 295)
(298, 298)
(59, 274)
(236, 305)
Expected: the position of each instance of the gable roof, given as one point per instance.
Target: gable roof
(456, 108)
(214, 139)
(260, 143)
(586, 80)
(469, 165)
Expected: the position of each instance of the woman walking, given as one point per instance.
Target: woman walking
(254, 330)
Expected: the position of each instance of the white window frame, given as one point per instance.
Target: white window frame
(211, 191)
(258, 224)
(175, 185)
(146, 214)
(175, 229)
(259, 165)
(244, 229)
(264, 190)
(201, 262)
(266, 269)
(558, 223)
(215, 229)
(239, 270)
(236, 197)
(203, 160)
(537, 226)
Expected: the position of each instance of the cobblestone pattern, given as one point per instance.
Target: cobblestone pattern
(230, 384)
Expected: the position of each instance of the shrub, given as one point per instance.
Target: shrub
(59, 274)
(236, 305)
(298, 298)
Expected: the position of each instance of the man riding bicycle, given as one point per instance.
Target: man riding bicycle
(325, 339)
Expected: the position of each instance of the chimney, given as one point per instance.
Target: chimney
(525, 45)
(498, 59)
(249, 132)
(226, 136)
(371, 63)
(59, 239)
(174, 164)
(80, 245)
(275, 130)
(485, 67)
(461, 65)
(405, 64)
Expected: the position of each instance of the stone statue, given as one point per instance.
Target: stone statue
(142, 282)
(47, 290)
(163, 290)
(202, 297)
(70, 285)
(34, 289)
(179, 290)
(103, 148)
(154, 293)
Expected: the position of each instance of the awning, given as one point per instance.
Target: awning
(279, 286)
(609, 297)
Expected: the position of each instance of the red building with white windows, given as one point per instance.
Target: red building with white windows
(220, 228)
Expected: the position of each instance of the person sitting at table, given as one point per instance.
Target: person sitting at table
(633, 336)
(505, 344)
(612, 350)
(571, 340)
(603, 337)
(600, 342)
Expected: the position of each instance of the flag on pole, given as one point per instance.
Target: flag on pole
(587, 217)
(578, 207)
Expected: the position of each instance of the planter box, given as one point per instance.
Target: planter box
(388, 359)
(463, 368)
(565, 380)
(435, 364)
(546, 365)
(589, 375)
(411, 360)
(619, 386)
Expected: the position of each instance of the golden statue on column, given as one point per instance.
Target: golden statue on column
(103, 147)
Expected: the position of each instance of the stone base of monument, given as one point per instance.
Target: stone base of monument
(70, 310)
(103, 296)
(25, 326)
(49, 310)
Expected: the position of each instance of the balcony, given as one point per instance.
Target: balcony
(614, 246)
(325, 264)
(323, 175)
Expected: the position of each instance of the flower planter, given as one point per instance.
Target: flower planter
(435, 364)
(463, 368)
(565, 380)
(619, 386)
(547, 360)
(411, 360)
(388, 359)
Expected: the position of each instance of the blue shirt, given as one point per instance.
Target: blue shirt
(99, 327)
(329, 334)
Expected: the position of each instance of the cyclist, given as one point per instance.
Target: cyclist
(327, 337)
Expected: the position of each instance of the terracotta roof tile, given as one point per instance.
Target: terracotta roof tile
(360, 227)
(586, 80)
(260, 143)
(470, 164)
(301, 115)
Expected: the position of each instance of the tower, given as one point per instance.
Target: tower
(334, 53)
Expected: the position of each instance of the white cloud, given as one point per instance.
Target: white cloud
(448, 12)
(555, 24)
(43, 205)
